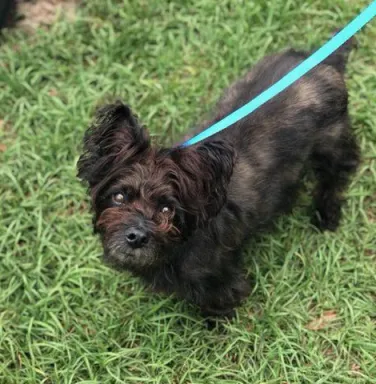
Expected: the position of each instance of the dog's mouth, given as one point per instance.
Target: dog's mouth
(121, 256)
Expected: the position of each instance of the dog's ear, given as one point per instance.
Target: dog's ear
(116, 137)
(205, 171)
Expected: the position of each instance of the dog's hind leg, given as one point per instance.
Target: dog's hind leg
(335, 158)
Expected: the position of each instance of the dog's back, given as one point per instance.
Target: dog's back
(272, 68)
(307, 124)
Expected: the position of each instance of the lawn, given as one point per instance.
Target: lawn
(67, 318)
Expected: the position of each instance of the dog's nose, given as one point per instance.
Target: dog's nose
(136, 237)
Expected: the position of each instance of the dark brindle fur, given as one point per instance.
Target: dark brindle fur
(178, 217)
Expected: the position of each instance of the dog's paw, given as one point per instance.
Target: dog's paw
(213, 321)
(328, 219)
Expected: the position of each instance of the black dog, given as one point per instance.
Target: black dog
(178, 217)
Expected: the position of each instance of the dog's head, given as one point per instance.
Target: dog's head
(147, 199)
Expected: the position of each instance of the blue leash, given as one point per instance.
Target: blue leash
(316, 58)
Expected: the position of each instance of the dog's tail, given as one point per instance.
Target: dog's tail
(338, 59)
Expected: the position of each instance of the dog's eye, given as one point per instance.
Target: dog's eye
(166, 210)
(118, 198)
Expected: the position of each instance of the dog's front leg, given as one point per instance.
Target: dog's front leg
(222, 297)
(214, 280)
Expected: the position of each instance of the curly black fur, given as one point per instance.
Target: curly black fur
(191, 209)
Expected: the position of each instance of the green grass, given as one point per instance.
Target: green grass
(65, 317)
